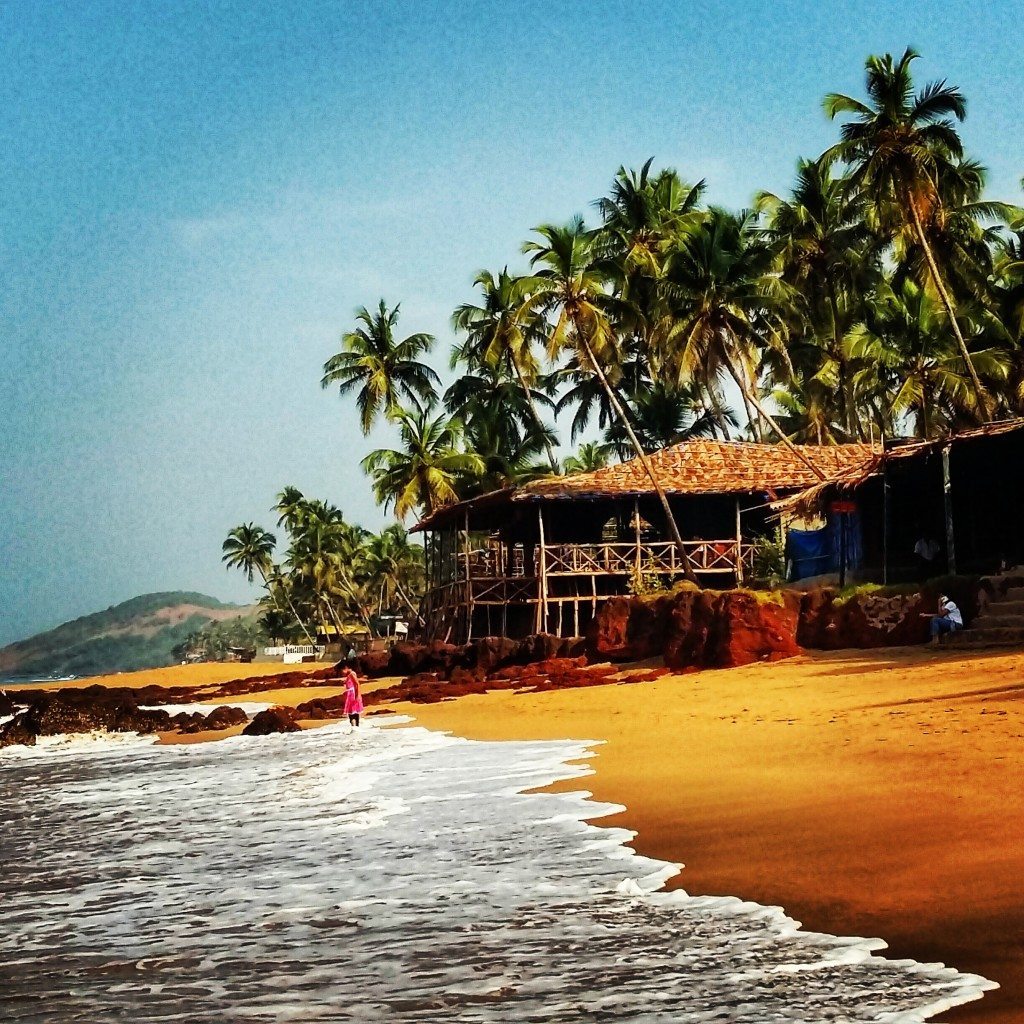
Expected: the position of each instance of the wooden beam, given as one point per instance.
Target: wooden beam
(739, 545)
(542, 604)
(947, 494)
(469, 582)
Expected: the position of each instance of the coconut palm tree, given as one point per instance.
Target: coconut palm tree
(384, 371)
(728, 311)
(395, 568)
(250, 548)
(590, 455)
(569, 289)
(501, 335)
(904, 334)
(899, 145)
(425, 472)
(828, 257)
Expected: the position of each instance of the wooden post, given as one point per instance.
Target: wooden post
(885, 515)
(739, 545)
(469, 581)
(947, 491)
(542, 579)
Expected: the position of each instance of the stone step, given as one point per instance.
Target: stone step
(1003, 607)
(1014, 594)
(1001, 636)
(995, 619)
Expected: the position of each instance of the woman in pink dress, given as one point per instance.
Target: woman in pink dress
(353, 698)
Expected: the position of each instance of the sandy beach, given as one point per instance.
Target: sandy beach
(873, 793)
(868, 793)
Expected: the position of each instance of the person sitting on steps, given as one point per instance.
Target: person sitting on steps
(949, 619)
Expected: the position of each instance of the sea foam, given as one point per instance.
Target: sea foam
(384, 875)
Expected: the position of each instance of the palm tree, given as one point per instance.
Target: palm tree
(904, 335)
(501, 335)
(395, 567)
(728, 309)
(590, 456)
(569, 287)
(827, 257)
(899, 146)
(250, 548)
(384, 370)
(425, 472)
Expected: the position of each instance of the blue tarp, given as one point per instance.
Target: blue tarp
(816, 552)
(809, 553)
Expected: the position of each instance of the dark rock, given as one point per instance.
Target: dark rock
(630, 628)
(689, 623)
(225, 717)
(131, 719)
(492, 652)
(18, 732)
(273, 720)
(374, 664)
(7, 705)
(322, 708)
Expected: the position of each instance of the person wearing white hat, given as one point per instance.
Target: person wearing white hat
(949, 619)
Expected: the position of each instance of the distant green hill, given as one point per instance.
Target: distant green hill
(135, 634)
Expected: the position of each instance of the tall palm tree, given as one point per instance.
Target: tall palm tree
(904, 335)
(728, 310)
(250, 548)
(899, 145)
(501, 335)
(827, 256)
(384, 371)
(568, 287)
(425, 472)
(395, 567)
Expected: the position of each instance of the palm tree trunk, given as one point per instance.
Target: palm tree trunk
(288, 600)
(644, 460)
(850, 422)
(947, 302)
(408, 603)
(771, 422)
(536, 415)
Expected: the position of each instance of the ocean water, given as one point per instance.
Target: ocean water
(382, 875)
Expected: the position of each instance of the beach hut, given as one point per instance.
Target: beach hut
(544, 556)
(964, 492)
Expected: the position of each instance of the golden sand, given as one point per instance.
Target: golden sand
(869, 793)
(201, 674)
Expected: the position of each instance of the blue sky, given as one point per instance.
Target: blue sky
(197, 198)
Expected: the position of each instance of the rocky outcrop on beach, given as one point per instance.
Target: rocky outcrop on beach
(694, 628)
(101, 709)
(273, 720)
(480, 657)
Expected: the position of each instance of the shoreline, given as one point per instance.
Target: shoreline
(866, 793)
(869, 793)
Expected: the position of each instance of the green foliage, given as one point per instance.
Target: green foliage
(643, 581)
(136, 634)
(216, 640)
(770, 559)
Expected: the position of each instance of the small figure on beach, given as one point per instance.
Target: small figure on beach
(353, 697)
(926, 551)
(949, 619)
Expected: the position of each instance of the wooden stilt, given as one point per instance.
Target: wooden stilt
(542, 580)
(947, 493)
(469, 581)
(739, 546)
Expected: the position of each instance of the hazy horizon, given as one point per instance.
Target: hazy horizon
(198, 201)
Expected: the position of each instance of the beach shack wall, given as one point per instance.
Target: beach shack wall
(545, 556)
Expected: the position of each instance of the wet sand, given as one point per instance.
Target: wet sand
(869, 793)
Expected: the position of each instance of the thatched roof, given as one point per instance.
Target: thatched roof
(698, 467)
(809, 499)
